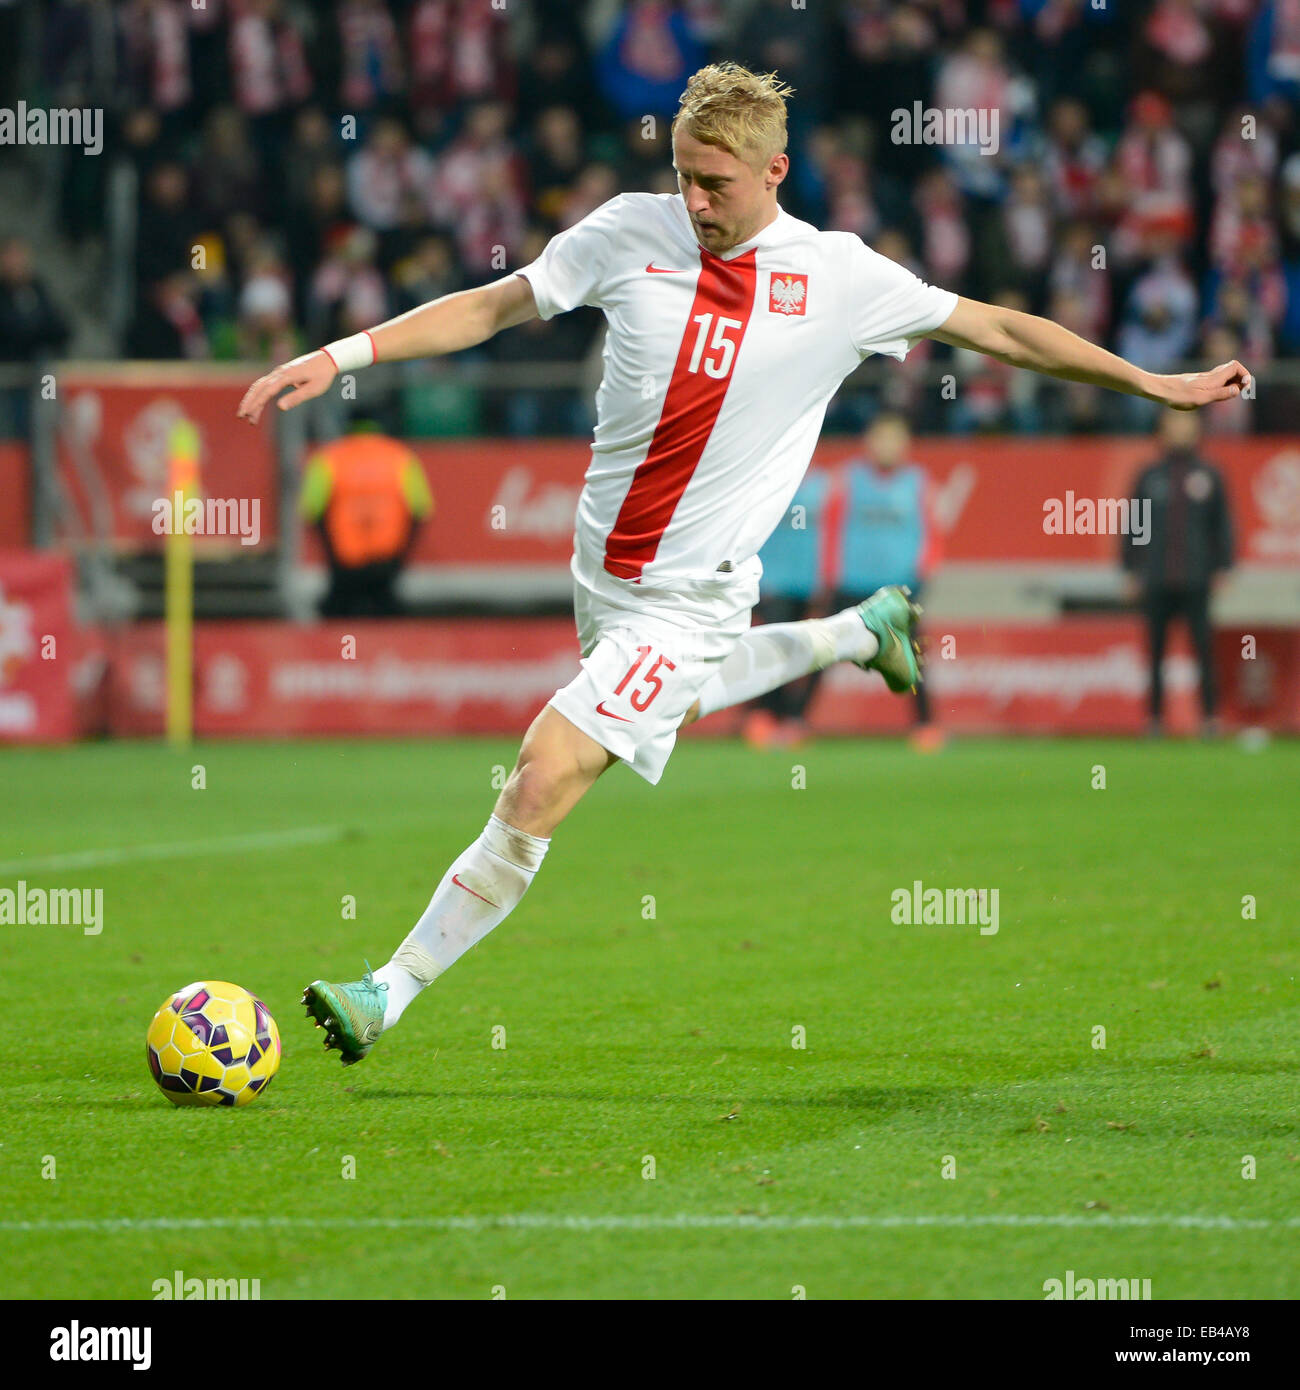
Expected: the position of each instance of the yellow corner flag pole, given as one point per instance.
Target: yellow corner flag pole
(178, 582)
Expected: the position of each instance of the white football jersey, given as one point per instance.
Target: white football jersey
(717, 374)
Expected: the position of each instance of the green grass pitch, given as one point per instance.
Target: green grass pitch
(639, 1034)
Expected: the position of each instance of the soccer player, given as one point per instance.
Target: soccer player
(731, 325)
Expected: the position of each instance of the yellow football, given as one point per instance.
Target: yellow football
(212, 1043)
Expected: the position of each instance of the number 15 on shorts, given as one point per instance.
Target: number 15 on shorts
(643, 681)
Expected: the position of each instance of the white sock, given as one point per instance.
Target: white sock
(477, 893)
(775, 653)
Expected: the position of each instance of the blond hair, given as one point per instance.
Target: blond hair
(739, 111)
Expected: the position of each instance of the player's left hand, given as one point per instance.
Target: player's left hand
(1192, 390)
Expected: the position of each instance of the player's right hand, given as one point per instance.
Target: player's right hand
(309, 375)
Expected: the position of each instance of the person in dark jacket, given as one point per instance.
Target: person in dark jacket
(31, 328)
(30, 322)
(1187, 544)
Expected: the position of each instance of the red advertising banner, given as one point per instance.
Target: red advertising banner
(15, 496)
(1076, 676)
(36, 648)
(1004, 499)
(350, 677)
(511, 502)
(114, 433)
(491, 676)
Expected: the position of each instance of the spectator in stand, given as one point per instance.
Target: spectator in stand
(905, 389)
(850, 200)
(268, 64)
(1177, 56)
(884, 54)
(596, 185)
(1159, 325)
(1150, 184)
(388, 180)
(794, 576)
(1027, 229)
(155, 48)
(31, 328)
(347, 293)
(1273, 53)
(775, 36)
(140, 141)
(1250, 302)
(556, 157)
(992, 396)
(1246, 145)
(428, 273)
(1059, 39)
(312, 227)
(558, 73)
(482, 144)
(881, 530)
(368, 496)
(266, 325)
(978, 77)
(312, 148)
(1071, 407)
(526, 412)
(1188, 547)
(231, 171)
(479, 190)
(1243, 225)
(945, 235)
(372, 55)
(647, 149)
(1289, 235)
(1079, 271)
(166, 312)
(1073, 160)
(31, 325)
(167, 223)
(1225, 417)
(458, 54)
(167, 324)
(643, 65)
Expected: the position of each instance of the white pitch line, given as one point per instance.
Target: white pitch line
(543, 1221)
(177, 849)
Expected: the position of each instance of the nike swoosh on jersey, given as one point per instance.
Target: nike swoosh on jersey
(660, 270)
(609, 714)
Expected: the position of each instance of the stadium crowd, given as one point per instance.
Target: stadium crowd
(339, 163)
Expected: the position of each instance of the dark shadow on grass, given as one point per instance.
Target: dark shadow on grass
(856, 1099)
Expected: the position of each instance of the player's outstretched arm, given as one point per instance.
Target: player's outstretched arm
(444, 325)
(1024, 340)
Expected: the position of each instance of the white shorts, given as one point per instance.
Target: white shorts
(646, 655)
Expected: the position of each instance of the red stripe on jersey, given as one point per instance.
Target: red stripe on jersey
(691, 405)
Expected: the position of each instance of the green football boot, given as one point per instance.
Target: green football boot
(351, 1014)
(890, 613)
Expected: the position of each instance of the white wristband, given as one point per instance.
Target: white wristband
(351, 354)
